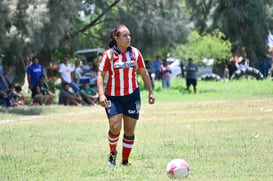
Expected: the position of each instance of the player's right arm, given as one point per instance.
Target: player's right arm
(100, 84)
(103, 67)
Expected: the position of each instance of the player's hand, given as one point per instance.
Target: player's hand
(151, 98)
(103, 101)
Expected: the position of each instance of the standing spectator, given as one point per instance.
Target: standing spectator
(66, 74)
(78, 71)
(3, 82)
(4, 98)
(191, 78)
(34, 71)
(236, 59)
(121, 96)
(148, 67)
(89, 95)
(156, 65)
(166, 74)
(264, 66)
(242, 65)
(231, 68)
(40, 92)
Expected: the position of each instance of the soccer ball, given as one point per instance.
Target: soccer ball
(178, 168)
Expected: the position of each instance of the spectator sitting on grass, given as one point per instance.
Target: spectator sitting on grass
(15, 99)
(40, 92)
(89, 95)
(22, 99)
(69, 98)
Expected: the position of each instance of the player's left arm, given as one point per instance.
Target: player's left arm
(145, 77)
(147, 81)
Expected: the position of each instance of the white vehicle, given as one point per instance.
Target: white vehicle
(176, 68)
(90, 54)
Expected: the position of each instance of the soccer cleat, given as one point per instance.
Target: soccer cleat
(125, 163)
(112, 159)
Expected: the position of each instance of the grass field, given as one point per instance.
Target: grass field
(225, 132)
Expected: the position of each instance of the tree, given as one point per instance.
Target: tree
(153, 24)
(205, 45)
(34, 26)
(245, 23)
(45, 26)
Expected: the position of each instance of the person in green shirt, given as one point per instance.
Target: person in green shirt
(89, 95)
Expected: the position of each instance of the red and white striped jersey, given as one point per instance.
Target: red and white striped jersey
(121, 68)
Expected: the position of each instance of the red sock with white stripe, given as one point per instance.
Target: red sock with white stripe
(113, 142)
(128, 142)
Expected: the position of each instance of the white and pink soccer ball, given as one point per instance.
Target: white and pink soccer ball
(178, 168)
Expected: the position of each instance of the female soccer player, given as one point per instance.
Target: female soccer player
(121, 95)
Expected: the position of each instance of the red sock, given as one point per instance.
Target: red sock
(113, 142)
(128, 142)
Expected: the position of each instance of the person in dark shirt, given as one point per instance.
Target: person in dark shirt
(40, 92)
(69, 98)
(264, 66)
(89, 95)
(231, 68)
(191, 77)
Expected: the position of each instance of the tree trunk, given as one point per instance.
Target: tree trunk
(45, 58)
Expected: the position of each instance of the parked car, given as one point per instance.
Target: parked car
(176, 67)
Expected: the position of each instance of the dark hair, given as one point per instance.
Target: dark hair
(33, 58)
(18, 89)
(115, 32)
(42, 76)
(65, 83)
(11, 86)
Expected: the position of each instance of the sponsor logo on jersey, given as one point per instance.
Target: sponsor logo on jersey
(122, 65)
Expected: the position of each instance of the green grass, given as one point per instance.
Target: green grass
(224, 132)
(215, 90)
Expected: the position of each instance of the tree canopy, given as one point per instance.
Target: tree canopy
(202, 46)
(246, 23)
(153, 24)
(44, 26)
(30, 27)
(50, 27)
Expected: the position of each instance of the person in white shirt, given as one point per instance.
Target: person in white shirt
(243, 65)
(66, 74)
(78, 71)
